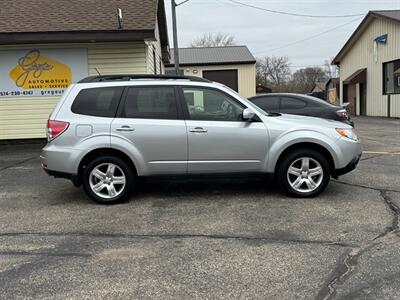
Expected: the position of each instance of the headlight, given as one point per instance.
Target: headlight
(348, 133)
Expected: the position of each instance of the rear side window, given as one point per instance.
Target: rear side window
(99, 102)
(269, 104)
(292, 103)
(150, 103)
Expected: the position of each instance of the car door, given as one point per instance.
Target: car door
(267, 103)
(218, 139)
(150, 121)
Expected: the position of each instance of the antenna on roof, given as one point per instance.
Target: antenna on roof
(119, 13)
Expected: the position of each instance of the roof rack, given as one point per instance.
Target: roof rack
(127, 77)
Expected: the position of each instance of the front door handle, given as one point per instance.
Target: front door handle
(198, 129)
(125, 128)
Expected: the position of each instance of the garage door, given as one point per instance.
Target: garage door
(227, 77)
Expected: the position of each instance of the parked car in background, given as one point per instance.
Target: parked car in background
(304, 105)
(108, 130)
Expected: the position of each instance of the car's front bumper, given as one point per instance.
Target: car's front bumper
(348, 168)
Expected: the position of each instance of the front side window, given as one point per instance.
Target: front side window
(99, 102)
(291, 103)
(212, 105)
(391, 77)
(150, 103)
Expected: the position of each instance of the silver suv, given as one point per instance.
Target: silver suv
(106, 131)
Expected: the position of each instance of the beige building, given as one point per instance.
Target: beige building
(233, 66)
(369, 65)
(48, 49)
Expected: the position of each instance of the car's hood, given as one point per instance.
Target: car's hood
(309, 121)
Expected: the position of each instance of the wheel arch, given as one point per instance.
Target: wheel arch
(88, 157)
(306, 145)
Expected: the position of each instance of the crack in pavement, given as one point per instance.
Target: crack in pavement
(180, 236)
(47, 253)
(394, 210)
(17, 163)
(347, 265)
(366, 186)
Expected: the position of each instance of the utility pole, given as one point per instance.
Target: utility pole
(175, 35)
(174, 5)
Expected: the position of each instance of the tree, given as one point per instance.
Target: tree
(305, 79)
(331, 70)
(214, 40)
(273, 70)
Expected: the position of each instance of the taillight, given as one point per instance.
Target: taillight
(342, 114)
(55, 128)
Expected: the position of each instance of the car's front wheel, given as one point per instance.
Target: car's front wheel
(304, 173)
(108, 180)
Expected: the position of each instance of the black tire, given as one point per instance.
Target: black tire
(290, 158)
(125, 191)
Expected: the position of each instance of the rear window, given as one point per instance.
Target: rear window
(268, 103)
(292, 103)
(150, 103)
(99, 102)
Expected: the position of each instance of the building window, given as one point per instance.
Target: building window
(160, 68)
(391, 77)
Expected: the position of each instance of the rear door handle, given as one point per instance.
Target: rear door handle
(198, 129)
(125, 128)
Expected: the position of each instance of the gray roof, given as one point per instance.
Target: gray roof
(391, 14)
(214, 56)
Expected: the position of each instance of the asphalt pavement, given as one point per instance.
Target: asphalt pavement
(219, 238)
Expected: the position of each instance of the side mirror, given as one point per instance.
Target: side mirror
(248, 114)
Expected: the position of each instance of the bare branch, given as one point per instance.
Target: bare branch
(273, 70)
(214, 40)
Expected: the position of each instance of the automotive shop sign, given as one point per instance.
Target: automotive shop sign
(40, 72)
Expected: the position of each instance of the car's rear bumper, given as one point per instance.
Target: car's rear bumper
(56, 174)
(61, 159)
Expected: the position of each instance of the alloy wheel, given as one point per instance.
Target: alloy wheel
(107, 180)
(305, 174)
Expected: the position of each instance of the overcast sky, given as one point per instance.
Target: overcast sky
(267, 33)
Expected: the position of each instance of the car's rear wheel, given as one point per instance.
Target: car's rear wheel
(304, 173)
(108, 180)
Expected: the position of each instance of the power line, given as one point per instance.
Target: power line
(293, 14)
(309, 38)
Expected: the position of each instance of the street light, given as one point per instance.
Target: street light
(174, 5)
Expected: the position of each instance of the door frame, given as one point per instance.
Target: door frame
(128, 147)
(363, 99)
(221, 166)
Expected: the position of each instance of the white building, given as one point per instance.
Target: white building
(369, 65)
(47, 46)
